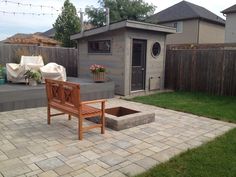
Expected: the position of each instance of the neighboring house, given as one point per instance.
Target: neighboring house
(31, 39)
(230, 27)
(194, 24)
(133, 53)
(51, 32)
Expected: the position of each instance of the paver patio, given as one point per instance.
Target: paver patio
(30, 147)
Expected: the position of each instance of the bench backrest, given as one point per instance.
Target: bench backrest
(65, 94)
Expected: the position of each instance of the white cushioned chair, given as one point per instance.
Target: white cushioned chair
(53, 71)
(15, 72)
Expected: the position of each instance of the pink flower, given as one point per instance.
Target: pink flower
(97, 68)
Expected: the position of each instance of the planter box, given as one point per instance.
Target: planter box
(99, 77)
(32, 82)
(2, 81)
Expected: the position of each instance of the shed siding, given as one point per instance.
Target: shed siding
(154, 66)
(114, 62)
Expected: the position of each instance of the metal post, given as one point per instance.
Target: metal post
(107, 17)
(82, 21)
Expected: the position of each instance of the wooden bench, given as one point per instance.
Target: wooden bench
(65, 97)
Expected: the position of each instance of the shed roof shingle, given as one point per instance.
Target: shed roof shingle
(185, 10)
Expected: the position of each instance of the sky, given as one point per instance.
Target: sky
(43, 17)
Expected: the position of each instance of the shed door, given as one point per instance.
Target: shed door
(138, 65)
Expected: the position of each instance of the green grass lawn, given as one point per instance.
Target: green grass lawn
(214, 159)
(217, 107)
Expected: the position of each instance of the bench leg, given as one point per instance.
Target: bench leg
(69, 117)
(80, 130)
(103, 118)
(49, 115)
(103, 125)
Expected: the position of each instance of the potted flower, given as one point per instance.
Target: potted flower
(33, 77)
(98, 72)
(2, 74)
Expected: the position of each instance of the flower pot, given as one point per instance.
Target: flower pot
(99, 76)
(33, 82)
(4, 73)
(2, 81)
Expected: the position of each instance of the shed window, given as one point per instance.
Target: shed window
(102, 46)
(156, 49)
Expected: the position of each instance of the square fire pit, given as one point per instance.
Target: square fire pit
(119, 118)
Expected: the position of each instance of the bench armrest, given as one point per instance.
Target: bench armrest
(93, 101)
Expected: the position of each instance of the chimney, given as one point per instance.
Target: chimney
(107, 18)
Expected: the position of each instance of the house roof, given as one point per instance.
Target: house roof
(49, 33)
(36, 39)
(124, 24)
(230, 10)
(183, 11)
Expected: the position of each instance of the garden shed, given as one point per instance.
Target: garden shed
(133, 53)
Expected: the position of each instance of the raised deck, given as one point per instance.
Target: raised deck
(20, 96)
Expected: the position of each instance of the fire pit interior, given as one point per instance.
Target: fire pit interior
(120, 111)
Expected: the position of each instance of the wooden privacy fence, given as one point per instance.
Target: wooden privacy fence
(67, 57)
(205, 69)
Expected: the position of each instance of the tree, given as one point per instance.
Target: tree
(119, 10)
(67, 23)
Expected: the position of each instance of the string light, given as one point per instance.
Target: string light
(30, 5)
(33, 5)
(27, 13)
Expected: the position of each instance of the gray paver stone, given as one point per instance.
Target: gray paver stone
(115, 174)
(147, 162)
(50, 164)
(132, 170)
(123, 144)
(112, 159)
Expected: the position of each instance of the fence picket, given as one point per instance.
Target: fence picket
(201, 68)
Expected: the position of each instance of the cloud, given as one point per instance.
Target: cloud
(12, 24)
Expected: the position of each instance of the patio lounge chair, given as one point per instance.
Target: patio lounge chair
(15, 72)
(53, 71)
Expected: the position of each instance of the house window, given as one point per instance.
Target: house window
(178, 26)
(101, 46)
(156, 49)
